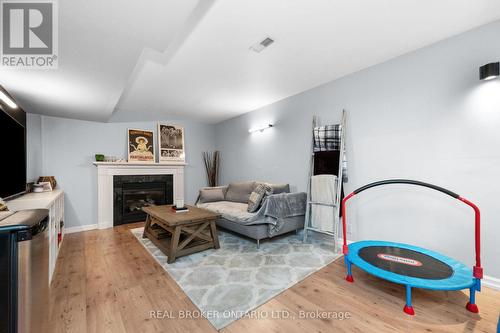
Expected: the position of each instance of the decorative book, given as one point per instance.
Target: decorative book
(180, 209)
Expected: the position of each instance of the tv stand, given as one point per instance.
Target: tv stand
(54, 202)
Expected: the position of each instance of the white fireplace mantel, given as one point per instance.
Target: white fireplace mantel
(106, 171)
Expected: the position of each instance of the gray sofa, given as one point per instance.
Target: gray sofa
(280, 213)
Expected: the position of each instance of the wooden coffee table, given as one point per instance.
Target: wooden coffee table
(180, 234)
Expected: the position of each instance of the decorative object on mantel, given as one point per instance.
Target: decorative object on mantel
(141, 146)
(113, 159)
(211, 161)
(50, 179)
(171, 143)
(99, 157)
(116, 160)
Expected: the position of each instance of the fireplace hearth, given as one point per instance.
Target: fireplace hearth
(132, 192)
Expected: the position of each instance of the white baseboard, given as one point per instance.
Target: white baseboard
(491, 282)
(80, 228)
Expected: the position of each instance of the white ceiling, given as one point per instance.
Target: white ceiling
(181, 58)
(100, 42)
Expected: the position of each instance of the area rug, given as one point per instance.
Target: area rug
(227, 283)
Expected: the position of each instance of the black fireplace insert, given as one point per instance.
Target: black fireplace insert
(131, 193)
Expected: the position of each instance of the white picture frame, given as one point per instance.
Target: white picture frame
(171, 144)
(141, 146)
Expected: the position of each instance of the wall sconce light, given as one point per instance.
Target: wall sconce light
(489, 71)
(260, 129)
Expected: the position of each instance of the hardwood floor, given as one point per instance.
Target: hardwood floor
(105, 281)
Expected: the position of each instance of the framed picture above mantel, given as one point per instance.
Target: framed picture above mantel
(141, 146)
(171, 143)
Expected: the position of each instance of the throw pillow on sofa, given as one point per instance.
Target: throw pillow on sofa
(239, 191)
(280, 188)
(211, 195)
(257, 196)
(277, 188)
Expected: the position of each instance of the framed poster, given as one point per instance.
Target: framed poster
(141, 146)
(171, 143)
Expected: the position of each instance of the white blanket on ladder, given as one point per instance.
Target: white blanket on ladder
(323, 189)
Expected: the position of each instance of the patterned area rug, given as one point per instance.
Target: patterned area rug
(227, 283)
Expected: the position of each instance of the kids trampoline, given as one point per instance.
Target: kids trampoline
(413, 266)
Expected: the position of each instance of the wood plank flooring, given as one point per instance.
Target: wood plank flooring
(105, 281)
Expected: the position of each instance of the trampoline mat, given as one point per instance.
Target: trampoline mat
(405, 262)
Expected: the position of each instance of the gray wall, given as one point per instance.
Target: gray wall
(424, 116)
(69, 147)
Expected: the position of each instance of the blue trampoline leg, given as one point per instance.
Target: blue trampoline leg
(347, 262)
(408, 309)
(471, 305)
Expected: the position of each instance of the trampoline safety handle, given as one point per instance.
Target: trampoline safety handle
(345, 248)
(477, 270)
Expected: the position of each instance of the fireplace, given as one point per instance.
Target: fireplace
(107, 171)
(132, 192)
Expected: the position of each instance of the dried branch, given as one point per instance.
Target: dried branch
(211, 161)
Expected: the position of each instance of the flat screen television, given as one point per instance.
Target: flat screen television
(13, 139)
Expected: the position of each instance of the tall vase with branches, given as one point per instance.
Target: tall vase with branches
(211, 161)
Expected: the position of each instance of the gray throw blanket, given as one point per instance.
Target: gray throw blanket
(281, 206)
(285, 205)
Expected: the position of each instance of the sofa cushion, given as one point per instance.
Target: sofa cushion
(257, 195)
(239, 191)
(277, 188)
(211, 194)
(233, 211)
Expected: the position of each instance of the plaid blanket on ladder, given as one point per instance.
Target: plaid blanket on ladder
(327, 138)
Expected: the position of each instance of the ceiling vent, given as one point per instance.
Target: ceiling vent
(262, 45)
